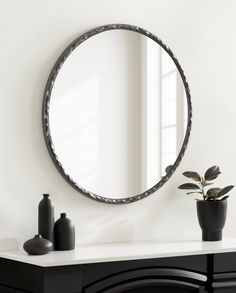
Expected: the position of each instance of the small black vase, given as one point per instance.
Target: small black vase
(212, 217)
(64, 234)
(37, 246)
(46, 218)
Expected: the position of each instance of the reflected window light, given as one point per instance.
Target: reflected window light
(73, 135)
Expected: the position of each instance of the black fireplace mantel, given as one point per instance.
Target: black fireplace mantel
(174, 268)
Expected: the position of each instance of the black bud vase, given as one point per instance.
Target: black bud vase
(46, 218)
(37, 246)
(64, 234)
(211, 218)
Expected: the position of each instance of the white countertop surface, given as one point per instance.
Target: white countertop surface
(122, 251)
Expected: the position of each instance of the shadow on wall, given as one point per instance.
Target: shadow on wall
(9, 244)
(147, 219)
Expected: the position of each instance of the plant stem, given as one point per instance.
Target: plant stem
(203, 191)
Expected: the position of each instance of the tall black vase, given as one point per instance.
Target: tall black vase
(211, 218)
(64, 234)
(46, 218)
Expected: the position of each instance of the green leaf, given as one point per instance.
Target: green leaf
(194, 192)
(225, 190)
(212, 173)
(193, 175)
(213, 192)
(189, 186)
(225, 197)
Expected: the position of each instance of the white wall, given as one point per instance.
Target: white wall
(33, 33)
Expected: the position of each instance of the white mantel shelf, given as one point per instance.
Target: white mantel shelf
(122, 251)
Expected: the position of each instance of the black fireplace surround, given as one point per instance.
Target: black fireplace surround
(182, 274)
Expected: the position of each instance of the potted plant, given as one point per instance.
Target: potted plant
(212, 208)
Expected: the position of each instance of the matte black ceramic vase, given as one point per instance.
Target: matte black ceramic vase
(211, 217)
(64, 234)
(37, 246)
(46, 218)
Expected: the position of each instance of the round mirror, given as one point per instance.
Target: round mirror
(117, 113)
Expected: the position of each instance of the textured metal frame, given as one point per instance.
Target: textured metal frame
(46, 108)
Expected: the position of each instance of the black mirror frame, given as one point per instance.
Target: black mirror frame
(46, 107)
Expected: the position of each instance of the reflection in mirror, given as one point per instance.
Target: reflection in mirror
(118, 114)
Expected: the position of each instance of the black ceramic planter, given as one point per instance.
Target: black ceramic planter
(211, 217)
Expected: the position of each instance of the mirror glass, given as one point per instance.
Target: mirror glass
(118, 114)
